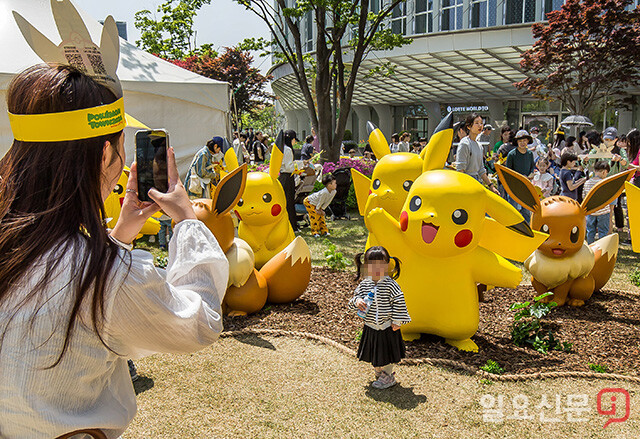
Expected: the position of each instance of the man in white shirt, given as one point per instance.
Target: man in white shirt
(536, 146)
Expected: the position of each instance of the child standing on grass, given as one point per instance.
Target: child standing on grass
(599, 221)
(317, 202)
(380, 302)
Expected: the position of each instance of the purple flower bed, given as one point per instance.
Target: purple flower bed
(360, 164)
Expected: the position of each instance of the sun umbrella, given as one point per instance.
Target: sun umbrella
(576, 120)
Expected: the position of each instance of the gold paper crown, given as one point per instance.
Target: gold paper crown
(78, 50)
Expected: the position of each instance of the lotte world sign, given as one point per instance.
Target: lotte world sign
(467, 109)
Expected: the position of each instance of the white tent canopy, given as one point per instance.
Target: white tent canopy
(157, 93)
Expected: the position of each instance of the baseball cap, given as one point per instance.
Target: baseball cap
(610, 133)
(488, 127)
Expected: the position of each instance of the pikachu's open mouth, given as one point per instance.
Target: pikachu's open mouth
(429, 231)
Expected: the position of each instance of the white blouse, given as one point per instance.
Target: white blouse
(147, 310)
(322, 198)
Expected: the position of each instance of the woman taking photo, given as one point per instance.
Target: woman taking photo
(75, 301)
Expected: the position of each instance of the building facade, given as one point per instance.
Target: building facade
(464, 57)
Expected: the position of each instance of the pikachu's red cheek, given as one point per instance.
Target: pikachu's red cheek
(404, 221)
(369, 191)
(463, 238)
(276, 209)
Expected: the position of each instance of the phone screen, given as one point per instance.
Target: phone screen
(151, 158)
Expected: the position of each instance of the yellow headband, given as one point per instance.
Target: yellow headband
(69, 125)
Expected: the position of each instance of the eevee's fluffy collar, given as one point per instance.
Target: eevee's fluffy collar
(552, 272)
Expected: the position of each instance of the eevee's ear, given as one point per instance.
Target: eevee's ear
(277, 154)
(519, 187)
(378, 143)
(361, 185)
(229, 190)
(605, 192)
(437, 150)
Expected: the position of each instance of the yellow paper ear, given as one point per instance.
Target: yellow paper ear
(378, 143)
(230, 160)
(277, 154)
(361, 185)
(437, 150)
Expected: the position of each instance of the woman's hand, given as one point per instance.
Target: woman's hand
(134, 212)
(175, 201)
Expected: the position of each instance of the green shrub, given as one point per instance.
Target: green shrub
(600, 368)
(161, 262)
(492, 367)
(359, 335)
(335, 259)
(528, 330)
(634, 277)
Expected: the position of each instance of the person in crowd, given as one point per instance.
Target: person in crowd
(395, 143)
(508, 146)
(505, 132)
(166, 231)
(416, 147)
(368, 149)
(470, 157)
(538, 148)
(241, 149)
(521, 160)
(257, 149)
(286, 176)
(600, 221)
(317, 202)
(380, 302)
(75, 301)
(405, 138)
(307, 149)
(558, 139)
(352, 153)
(316, 142)
(542, 178)
(633, 140)
(204, 170)
(568, 184)
(583, 141)
(423, 143)
(485, 138)
(267, 143)
(459, 133)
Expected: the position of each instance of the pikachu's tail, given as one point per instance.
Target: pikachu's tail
(606, 253)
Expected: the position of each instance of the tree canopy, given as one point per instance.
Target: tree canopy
(586, 53)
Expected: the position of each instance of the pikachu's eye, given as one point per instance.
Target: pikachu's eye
(240, 202)
(575, 232)
(407, 185)
(118, 189)
(376, 183)
(266, 197)
(544, 228)
(415, 204)
(459, 216)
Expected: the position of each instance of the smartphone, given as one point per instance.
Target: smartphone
(151, 158)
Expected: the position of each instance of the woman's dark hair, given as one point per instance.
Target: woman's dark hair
(504, 129)
(570, 140)
(470, 119)
(377, 253)
(567, 157)
(633, 140)
(51, 207)
(559, 138)
(327, 178)
(309, 139)
(594, 138)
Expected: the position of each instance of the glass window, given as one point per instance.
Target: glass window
(309, 30)
(399, 19)
(423, 21)
(483, 13)
(374, 6)
(552, 5)
(519, 11)
(451, 12)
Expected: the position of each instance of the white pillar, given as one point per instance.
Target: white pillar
(291, 121)
(364, 115)
(434, 114)
(625, 121)
(303, 126)
(386, 120)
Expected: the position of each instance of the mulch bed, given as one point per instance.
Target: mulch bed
(605, 331)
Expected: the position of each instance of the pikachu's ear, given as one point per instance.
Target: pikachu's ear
(230, 160)
(361, 185)
(277, 154)
(605, 191)
(633, 205)
(378, 143)
(437, 150)
(519, 187)
(500, 210)
(229, 190)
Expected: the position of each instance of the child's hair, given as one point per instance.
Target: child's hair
(567, 157)
(377, 253)
(543, 160)
(416, 144)
(601, 165)
(327, 178)
(309, 139)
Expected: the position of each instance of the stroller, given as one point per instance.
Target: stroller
(304, 186)
(338, 206)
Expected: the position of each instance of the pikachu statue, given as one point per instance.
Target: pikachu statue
(437, 236)
(282, 259)
(565, 264)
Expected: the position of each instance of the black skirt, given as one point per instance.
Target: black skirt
(381, 347)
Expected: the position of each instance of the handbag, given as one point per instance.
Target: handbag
(195, 184)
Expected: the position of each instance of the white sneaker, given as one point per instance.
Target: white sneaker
(385, 381)
(316, 236)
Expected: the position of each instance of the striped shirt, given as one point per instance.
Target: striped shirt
(388, 304)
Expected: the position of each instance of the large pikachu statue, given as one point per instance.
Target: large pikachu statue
(437, 236)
